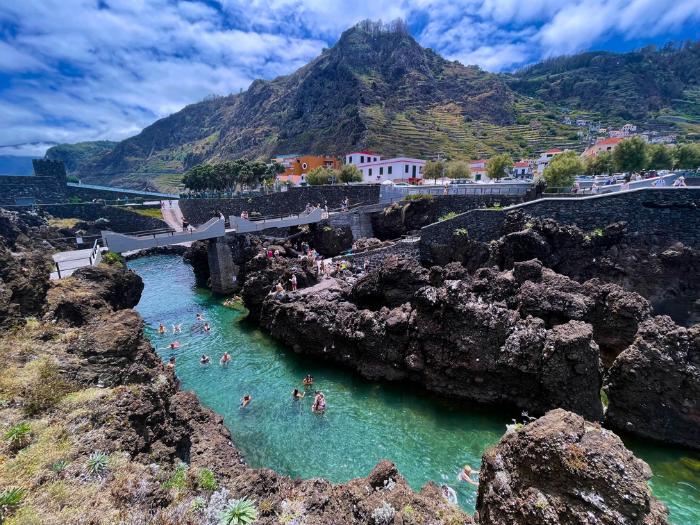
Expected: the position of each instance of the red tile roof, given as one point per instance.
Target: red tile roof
(611, 140)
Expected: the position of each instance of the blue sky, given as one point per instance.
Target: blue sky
(73, 70)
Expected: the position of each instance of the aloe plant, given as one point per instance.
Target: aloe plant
(18, 436)
(97, 463)
(239, 512)
(9, 499)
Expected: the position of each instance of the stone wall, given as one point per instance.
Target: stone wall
(199, 211)
(121, 220)
(88, 194)
(48, 184)
(670, 213)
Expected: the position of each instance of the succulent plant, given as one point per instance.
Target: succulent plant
(239, 512)
(97, 463)
(18, 436)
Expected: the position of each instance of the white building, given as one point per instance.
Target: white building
(376, 170)
(543, 160)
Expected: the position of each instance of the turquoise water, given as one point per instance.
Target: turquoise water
(428, 439)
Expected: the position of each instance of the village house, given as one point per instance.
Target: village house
(376, 170)
(543, 160)
(522, 169)
(608, 144)
(478, 169)
(296, 167)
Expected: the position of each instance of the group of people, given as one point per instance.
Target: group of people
(310, 208)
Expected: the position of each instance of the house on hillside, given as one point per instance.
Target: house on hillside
(296, 167)
(608, 144)
(544, 158)
(478, 170)
(522, 169)
(376, 170)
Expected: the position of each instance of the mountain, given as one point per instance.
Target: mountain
(638, 86)
(377, 88)
(76, 155)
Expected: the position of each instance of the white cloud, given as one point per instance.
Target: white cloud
(72, 70)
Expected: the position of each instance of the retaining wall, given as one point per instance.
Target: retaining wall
(670, 213)
(199, 211)
(121, 220)
(405, 248)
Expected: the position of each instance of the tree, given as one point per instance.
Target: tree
(349, 173)
(687, 156)
(562, 170)
(498, 165)
(630, 155)
(601, 164)
(660, 157)
(319, 176)
(458, 170)
(433, 169)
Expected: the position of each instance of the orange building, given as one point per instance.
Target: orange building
(602, 146)
(297, 166)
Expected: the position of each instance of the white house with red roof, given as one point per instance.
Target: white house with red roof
(478, 169)
(544, 158)
(608, 144)
(376, 170)
(522, 169)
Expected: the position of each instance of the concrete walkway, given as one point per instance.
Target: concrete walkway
(172, 214)
(65, 263)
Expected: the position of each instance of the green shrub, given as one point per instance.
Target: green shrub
(59, 466)
(75, 200)
(97, 464)
(239, 512)
(179, 478)
(418, 197)
(113, 259)
(206, 480)
(18, 436)
(598, 232)
(9, 499)
(46, 389)
(448, 216)
(460, 232)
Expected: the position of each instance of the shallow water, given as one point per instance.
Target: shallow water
(427, 438)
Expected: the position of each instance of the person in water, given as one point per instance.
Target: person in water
(246, 400)
(319, 403)
(200, 316)
(161, 328)
(297, 394)
(207, 327)
(204, 359)
(225, 358)
(466, 476)
(171, 362)
(177, 328)
(308, 380)
(174, 345)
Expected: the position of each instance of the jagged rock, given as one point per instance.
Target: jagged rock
(392, 284)
(330, 241)
(197, 257)
(654, 385)
(24, 281)
(91, 290)
(368, 243)
(560, 469)
(400, 218)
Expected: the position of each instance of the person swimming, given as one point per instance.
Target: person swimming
(204, 359)
(319, 403)
(161, 328)
(246, 400)
(465, 475)
(171, 362)
(308, 380)
(225, 359)
(207, 328)
(177, 328)
(174, 345)
(200, 316)
(297, 394)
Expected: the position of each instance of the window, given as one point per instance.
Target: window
(414, 171)
(381, 171)
(350, 159)
(388, 170)
(375, 159)
(405, 168)
(370, 172)
(362, 159)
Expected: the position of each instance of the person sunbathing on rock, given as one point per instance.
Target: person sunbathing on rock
(246, 400)
(465, 475)
(204, 359)
(225, 359)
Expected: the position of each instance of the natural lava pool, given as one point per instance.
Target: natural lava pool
(428, 439)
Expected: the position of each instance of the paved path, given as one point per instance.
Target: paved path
(172, 214)
(65, 263)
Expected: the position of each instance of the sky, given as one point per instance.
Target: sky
(75, 70)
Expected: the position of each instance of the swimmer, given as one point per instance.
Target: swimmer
(246, 400)
(207, 327)
(308, 380)
(200, 316)
(204, 359)
(465, 475)
(174, 345)
(225, 359)
(319, 403)
(161, 328)
(296, 394)
(171, 362)
(177, 328)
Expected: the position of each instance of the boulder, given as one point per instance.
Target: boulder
(561, 469)
(653, 386)
(330, 241)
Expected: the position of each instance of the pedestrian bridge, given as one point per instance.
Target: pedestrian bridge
(240, 225)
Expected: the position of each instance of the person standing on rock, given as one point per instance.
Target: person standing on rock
(293, 282)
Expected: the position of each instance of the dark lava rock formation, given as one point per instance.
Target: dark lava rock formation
(654, 385)
(560, 469)
(525, 338)
(329, 240)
